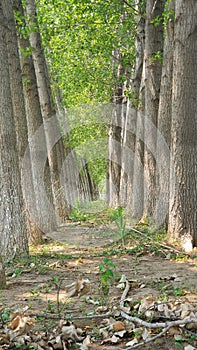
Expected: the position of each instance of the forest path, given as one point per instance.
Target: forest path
(85, 236)
(75, 254)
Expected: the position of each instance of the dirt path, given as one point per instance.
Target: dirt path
(79, 256)
(84, 236)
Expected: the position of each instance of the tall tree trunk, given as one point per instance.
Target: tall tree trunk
(2, 274)
(19, 111)
(55, 146)
(40, 199)
(138, 167)
(114, 156)
(153, 68)
(115, 136)
(128, 148)
(183, 181)
(139, 104)
(129, 134)
(164, 128)
(12, 219)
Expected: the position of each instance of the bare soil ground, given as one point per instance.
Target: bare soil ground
(92, 261)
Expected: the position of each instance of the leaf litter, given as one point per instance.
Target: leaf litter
(150, 302)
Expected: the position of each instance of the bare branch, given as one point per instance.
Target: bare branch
(149, 340)
(132, 7)
(165, 325)
(70, 318)
(160, 244)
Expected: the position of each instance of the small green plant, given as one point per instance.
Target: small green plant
(121, 225)
(77, 215)
(35, 292)
(106, 275)
(158, 56)
(50, 306)
(5, 316)
(179, 341)
(178, 292)
(17, 272)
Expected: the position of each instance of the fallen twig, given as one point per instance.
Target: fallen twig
(149, 340)
(160, 244)
(143, 323)
(165, 325)
(70, 318)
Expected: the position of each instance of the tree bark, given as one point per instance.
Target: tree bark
(19, 112)
(129, 135)
(12, 219)
(114, 157)
(183, 174)
(153, 68)
(35, 162)
(55, 146)
(2, 274)
(164, 128)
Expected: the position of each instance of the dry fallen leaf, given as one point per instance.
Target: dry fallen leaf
(78, 288)
(20, 322)
(69, 331)
(118, 326)
(145, 334)
(132, 342)
(145, 306)
(189, 347)
(186, 310)
(175, 330)
(113, 340)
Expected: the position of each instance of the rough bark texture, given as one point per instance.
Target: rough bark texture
(15, 80)
(128, 149)
(164, 129)
(115, 138)
(135, 185)
(12, 220)
(114, 157)
(2, 274)
(40, 200)
(19, 110)
(55, 146)
(153, 67)
(183, 181)
(138, 167)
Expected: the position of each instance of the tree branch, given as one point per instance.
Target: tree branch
(132, 7)
(165, 325)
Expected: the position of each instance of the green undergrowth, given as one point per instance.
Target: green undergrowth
(129, 238)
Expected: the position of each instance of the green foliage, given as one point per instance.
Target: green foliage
(5, 315)
(88, 137)
(77, 215)
(167, 15)
(157, 20)
(114, 213)
(80, 40)
(121, 225)
(157, 57)
(106, 275)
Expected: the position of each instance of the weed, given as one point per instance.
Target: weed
(17, 272)
(178, 292)
(5, 315)
(77, 215)
(50, 306)
(121, 225)
(107, 275)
